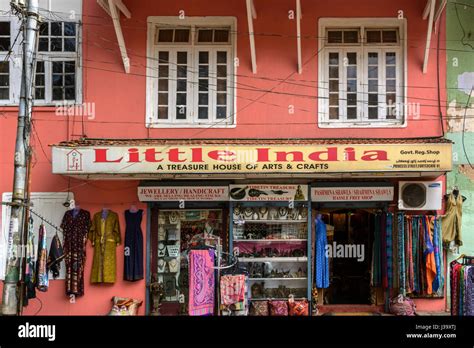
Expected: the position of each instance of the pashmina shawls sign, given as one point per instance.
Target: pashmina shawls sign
(201, 282)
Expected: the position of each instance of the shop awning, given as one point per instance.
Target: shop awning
(252, 158)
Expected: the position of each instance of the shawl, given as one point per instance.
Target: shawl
(201, 282)
(428, 251)
(56, 255)
(383, 242)
(376, 254)
(455, 272)
(469, 290)
(30, 291)
(401, 254)
(42, 281)
(409, 256)
(438, 282)
(416, 254)
(232, 289)
(321, 258)
(389, 252)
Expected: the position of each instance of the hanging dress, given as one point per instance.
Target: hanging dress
(75, 226)
(105, 237)
(452, 221)
(322, 262)
(133, 251)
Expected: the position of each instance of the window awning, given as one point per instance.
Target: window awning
(252, 158)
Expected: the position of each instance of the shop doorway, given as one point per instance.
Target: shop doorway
(350, 238)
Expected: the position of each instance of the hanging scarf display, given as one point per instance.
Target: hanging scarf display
(42, 281)
(462, 287)
(376, 254)
(401, 254)
(321, 258)
(389, 247)
(428, 252)
(201, 282)
(30, 291)
(56, 255)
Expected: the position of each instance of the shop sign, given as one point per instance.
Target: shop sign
(240, 159)
(250, 193)
(352, 194)
(183, 193)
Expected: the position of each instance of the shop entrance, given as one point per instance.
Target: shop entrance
(350, 234)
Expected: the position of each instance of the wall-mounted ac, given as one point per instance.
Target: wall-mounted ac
(420, 195)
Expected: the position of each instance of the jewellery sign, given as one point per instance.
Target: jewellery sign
(183, 193)
(268, 192)
(250, 159)
(351, 194)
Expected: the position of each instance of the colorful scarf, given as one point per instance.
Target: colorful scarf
(232, 289)
(401, 254)
(455, 272)
(389, 246)
(42, 280)
(438, 281)
(409, 256)
(376, 254)
(201, 282)
(56, 255)
(428, 251)
(415, 253)
(322, 262)
(469, 291)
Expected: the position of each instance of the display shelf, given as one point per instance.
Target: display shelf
(269, 240)
(277, 279)
(273, 259)
(282, 221)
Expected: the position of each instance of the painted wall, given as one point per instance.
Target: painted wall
(119, 101)
(460, 81)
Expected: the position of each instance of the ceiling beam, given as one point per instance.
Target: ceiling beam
(298, 35)
(428, 34)
(118, 31)
(250, 17)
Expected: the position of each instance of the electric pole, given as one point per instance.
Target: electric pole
(30, 19)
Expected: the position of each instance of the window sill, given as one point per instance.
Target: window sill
(190, 126)
(361, 125)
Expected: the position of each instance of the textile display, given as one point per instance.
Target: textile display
(298, 308)
(321, 258)
(133, 254)
(278, 308)
(259, 308)
(232, 289)
(462, 288)
(30, 291)
(56, 255)
(75, 225)
(201, 282)
(420, 255)
(452, 221)
(42, 277)
(105, 237)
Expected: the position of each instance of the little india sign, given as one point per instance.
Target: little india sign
(208, 159)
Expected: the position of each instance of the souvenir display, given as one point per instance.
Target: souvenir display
(259, 308)
(271, 241)
(278, 308)
(175, 237)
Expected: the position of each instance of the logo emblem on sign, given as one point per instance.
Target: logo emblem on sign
(74, 161)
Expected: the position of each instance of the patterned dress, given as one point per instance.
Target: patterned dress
(75, 230)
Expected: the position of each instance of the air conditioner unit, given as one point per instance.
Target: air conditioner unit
(420, 195)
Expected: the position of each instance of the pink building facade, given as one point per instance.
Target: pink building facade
(222, 76)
